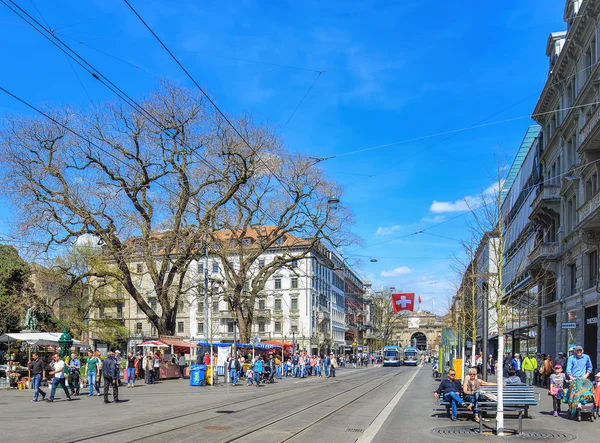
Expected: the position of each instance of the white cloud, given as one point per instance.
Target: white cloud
(434, 219)
(401, 270)
(442, 207)
(466, 204)
(387, 231)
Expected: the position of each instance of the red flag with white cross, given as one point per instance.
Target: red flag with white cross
(403, 302)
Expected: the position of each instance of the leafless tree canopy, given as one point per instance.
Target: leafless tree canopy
(127, 176)
(288, 206)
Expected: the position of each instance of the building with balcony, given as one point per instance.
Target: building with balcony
(567, 205)
(303, 301)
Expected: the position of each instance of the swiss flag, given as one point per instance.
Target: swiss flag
(419, 299)
(403, 302)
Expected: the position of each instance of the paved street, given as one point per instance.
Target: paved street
(343, 409)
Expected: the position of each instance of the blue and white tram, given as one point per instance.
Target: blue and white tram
(411, 356)
(393, 356)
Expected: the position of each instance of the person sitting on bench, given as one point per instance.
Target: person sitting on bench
(471, 388)
(450, 391)
(513, 378)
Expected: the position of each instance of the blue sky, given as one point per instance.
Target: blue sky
(393, 71)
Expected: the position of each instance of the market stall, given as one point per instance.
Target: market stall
(16, 371)
(166, 368)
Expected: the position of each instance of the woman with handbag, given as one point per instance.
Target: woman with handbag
(557, 381)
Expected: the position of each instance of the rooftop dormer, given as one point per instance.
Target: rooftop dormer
(571, 11)
(556, 40)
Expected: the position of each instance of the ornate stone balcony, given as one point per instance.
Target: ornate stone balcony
(589, 135)
(546, 205)
(589, 213)
(543, 256)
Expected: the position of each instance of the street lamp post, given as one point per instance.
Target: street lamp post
(294, 341)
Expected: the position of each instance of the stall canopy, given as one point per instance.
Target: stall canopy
(205, 344)
(259, 346)
(36, 338)
(178, 345)
(153, 343)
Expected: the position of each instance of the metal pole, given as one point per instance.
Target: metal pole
(234, 336)
(484, 338)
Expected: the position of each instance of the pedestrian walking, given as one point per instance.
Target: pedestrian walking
(516, 364)
(110, 371)
(38, 373)
(91, 369)
(156, 367)
(233, 365)
(546, 370)
(58, 373)
(257, 370)
(182, 363)
(579, 365)
(557, 382)
(334, 365)
(131, 370)
(529, 366)
(74, 368)
(149, 368)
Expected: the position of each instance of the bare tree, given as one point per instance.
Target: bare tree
(287, 207)
(147, 189)
(383, 316)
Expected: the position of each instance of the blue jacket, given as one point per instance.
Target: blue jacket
(258, 366)
(577, 367)
(515, 363)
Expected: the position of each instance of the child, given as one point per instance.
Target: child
(557, 381)
(249, 375)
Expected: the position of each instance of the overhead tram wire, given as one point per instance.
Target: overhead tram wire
(189, 51)
(102, 78)
(307, 92)
(530, 190)
(301, 101)
(477, 126)
(84, 138)
(67, 58)
(384, 170)
(50, 36)
(211, 101)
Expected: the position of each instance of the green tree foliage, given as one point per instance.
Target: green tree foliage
(16, 290)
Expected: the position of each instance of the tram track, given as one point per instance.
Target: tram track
(264, 425)
(268, 398)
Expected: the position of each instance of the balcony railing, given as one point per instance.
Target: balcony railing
(589, 207)
(589, 126)
(544, 251)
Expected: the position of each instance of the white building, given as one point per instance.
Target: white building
(302, 302)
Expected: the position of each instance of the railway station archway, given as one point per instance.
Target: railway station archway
(419, 340)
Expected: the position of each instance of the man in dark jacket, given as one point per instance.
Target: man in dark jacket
(233, 365)
(450, 391)
(110, 371)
